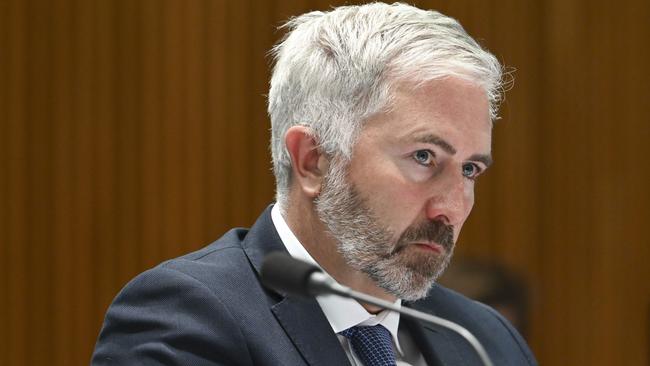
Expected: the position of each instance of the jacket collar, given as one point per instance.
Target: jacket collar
(302, 319)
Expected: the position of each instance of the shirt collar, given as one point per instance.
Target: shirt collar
(341, 313)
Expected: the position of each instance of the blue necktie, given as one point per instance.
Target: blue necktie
(372, 344)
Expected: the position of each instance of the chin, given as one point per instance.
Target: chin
(408, 275)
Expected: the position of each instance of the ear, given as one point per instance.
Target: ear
(308, 164)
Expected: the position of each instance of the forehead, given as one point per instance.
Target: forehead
(453, 109)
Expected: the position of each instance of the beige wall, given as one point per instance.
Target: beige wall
(134, 131)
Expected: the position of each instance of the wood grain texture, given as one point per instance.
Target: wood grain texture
(134, 131)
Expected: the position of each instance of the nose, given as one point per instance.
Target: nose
(451, 198)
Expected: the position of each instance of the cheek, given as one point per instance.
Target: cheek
(468, 203)
(394, 200)
(469, 196)
(380, 182)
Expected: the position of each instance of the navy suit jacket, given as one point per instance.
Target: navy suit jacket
(209, 308)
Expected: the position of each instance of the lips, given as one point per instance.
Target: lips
(431, 247)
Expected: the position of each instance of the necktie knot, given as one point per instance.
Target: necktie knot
(373, 344)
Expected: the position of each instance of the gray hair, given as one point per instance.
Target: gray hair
(335, 69)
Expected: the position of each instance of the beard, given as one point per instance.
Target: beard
(395, 265)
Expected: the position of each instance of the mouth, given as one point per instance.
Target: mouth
(428, 246)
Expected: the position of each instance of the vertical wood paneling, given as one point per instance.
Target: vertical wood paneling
(588, 212)
(193, 117)
(518, 151)
(104, 163)
(4, 168)
(62, 103)
(601, 44)
(127, 107)
(215, 89)
(132, 132)
(149, 164)
(263, 28)
(85, 253)
(39, 176)
(238, 117)
(566, 188)
(633, 251)
(173, 133)
(617, 227)
(16, 294)
(515, 176)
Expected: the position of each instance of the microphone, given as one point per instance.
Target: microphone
(285, 273)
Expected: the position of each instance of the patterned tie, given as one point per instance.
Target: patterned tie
(372, 344)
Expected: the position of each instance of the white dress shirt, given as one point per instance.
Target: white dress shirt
(343, 313)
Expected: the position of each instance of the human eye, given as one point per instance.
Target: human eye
(423, 157)
(471, 170)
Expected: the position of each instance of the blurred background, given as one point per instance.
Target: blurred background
(134, 131)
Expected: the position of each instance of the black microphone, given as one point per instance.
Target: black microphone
(283, 273)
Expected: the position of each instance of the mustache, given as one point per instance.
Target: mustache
(432, 231)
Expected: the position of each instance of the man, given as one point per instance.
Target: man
(381, 122)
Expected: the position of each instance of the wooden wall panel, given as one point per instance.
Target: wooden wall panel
(134, 131)
(14, 146)
(62, 160)
(150, 149)
(593, 250)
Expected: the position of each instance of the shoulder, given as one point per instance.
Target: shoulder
(219, 266)
(213, 273)
(180, 311)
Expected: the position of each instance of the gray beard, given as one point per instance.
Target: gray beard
(369, 247)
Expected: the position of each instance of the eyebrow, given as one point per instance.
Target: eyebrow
(439, 141)
(436, 140)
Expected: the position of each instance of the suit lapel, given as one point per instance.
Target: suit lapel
(438, 345)
(302, 319)
(310, 332)
(434, 345)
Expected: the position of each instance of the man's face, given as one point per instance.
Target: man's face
(397, 207)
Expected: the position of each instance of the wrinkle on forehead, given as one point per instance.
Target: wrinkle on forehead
(451, 113)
